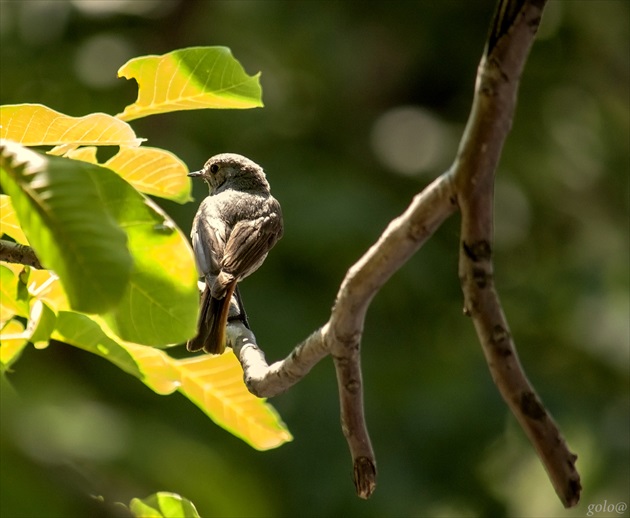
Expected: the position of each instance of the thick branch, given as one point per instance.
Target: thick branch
(16, 253)
(487, 129)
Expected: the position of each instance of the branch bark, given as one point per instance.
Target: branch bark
(16, 253)
(489, 123)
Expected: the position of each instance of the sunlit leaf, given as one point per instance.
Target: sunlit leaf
(87, 154)
(160, 304)
(38, 125)
(12, 342)
(41, 324)
(84, 332)
(153, 171)
(61, 209)
(214, 383)
(9, 223)
(44, 285)
(163, 505)
(190, 79)
(9, 305)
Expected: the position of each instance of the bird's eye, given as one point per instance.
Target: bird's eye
(214, 168)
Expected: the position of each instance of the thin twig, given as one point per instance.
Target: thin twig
(16, 253)
(488, 126)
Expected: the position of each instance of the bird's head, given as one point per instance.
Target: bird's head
(232, 171)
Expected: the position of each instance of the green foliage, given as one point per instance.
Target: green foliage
(189, 79)
(60, 204)
(122, 274)
(163, 505)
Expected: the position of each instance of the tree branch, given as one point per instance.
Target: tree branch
(489, 123)
(16, 253)
(341, 335)
(469, 185)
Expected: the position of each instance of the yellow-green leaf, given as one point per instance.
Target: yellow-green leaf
(150, 170)
(9, 304)
(153, 171)
(38, 125)
(41, 324)
(9, 223)
(215, 384)
(43, 285)
(190, 79)
(86, 154)
(12, 342)
(163, 505)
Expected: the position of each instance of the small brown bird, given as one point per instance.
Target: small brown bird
(233, 230)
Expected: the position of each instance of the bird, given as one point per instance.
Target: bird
(232, 232)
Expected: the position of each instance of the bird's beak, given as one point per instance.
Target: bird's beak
(195, 174)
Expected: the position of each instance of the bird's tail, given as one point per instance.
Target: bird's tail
(213, 317)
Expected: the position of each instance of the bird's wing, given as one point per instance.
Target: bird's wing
(249, 243)
(208, 245)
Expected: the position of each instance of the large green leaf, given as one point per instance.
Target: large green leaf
(160, 304)
(61, 210)
(84, 332)
(190, 79)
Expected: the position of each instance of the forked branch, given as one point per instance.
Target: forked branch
(469, 185)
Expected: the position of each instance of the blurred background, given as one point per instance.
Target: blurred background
(365, 103)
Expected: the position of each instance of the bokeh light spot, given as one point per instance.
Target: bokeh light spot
(409, 140)
(98, 59)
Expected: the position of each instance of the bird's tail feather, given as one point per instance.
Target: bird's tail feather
(213, 317)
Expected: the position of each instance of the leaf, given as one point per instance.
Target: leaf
(12, 343)
(41, 324)
(84, 332)
(214, 383)
(43, 285)
(9, 223)
(153, 171)
(86, 154)
(38, 125)
(163, 505)
(190, 79)
(62, 212)
(9, 305)
(160, 304)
